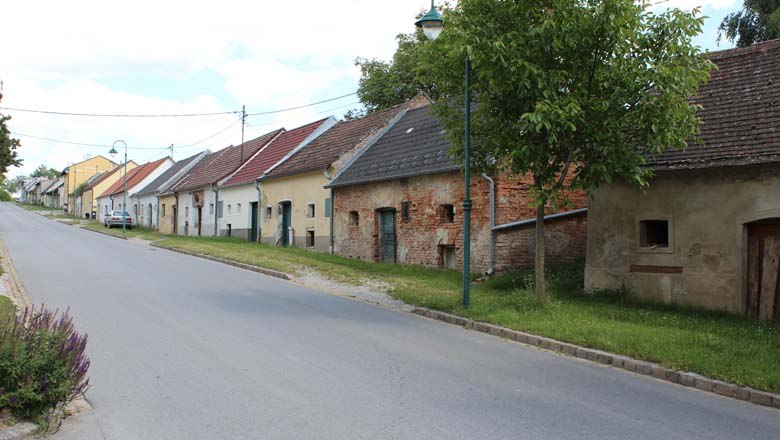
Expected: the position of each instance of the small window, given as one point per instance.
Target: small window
(310, 238)
(219, 209)
(405, 211)
(229, 229)
(211, 208)
(447, 213)
(654, 234)
(328, 208)
(186, 212)
(354, 218)
(269, 212)
(230, 209)
(162, 210)
(238, 208)
(310, 210)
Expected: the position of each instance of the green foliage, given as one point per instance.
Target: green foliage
(547, 103)
(79, 190)
(45, 172)
(9, 157)
(759, 20)
(4, 196)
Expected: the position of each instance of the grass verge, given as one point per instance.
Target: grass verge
(134, 232)
(718, 345)
(31, 207)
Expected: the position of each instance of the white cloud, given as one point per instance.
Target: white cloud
(690, 4)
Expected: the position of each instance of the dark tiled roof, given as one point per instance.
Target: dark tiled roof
(134, 177)
(169, 174)
(273, 153)
(339, 139)
(217, 166)
(415, 145)
(740, 118)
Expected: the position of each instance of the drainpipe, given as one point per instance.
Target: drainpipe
(259, 211)
(332, 212)
(491, 264)
(216, 202)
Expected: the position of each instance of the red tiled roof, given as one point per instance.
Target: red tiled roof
(274, 152)
(105, 175)
(134, 177)
(341, 138)
(740, 112)
(218, 165)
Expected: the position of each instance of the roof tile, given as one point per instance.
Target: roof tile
(134, 177)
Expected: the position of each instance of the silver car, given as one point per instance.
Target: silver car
(114, 218)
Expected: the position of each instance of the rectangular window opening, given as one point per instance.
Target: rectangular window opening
(310, 238)
(230, 209)
(447, 213)
(211, 208)
(654, 234)
(238, 208)
(310, 210)
(162, 211)
(354, 218)
(328, 208)
(405, 211)
(269, 211)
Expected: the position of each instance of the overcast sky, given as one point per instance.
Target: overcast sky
(168, 57)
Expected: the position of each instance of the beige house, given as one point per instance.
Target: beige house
(81, 172)
(87, 205)
(707, 231)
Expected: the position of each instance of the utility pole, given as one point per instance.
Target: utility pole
(243, 122)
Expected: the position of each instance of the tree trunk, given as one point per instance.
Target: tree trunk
(540, 288)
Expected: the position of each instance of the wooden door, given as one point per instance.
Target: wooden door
(200, 220)
(286, 222)
(387, 237)
(175, 221)
(763, 266)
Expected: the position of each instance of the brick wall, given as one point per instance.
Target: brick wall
(421, 238)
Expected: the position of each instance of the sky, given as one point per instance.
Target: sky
(184, 57)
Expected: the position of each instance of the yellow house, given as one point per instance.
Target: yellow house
(79, 173)
(167, 223)
(87, 204)
(295, 206)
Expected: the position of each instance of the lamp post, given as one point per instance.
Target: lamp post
(432, 25)
(113, 154)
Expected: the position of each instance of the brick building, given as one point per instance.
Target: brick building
(399, 200)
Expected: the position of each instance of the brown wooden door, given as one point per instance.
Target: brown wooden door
(763, 266)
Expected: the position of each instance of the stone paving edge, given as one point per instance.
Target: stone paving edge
(657, 371)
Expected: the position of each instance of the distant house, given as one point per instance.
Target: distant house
(399, 199)
(197, 194)
(78, 173)
(88, 205)
(50, 193)
(242, 195)
(296, 208)
(147, 198)
(706, 232)
(114, 198)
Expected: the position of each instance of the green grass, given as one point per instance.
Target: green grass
(31, 207)
(135, 232)
(718, 345)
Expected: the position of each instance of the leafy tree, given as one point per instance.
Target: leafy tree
(8, 146)
(573, 94)
(759, 20)
(44, 171)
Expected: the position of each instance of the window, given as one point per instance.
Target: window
(238, 208)
(654, 234)
(219, 209)
(211, 208)
(310, 210)
(162, 210)
(405, 211)
(229, 229)
(269, 212)
(447, 213)
(186, 212)
(230, 209)
(328, 207)
(310, 238)
(354, 218)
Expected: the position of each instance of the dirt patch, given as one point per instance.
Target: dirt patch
(370, 291)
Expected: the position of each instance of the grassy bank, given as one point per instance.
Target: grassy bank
(136, 232)
(718, 345)
(31, 207)
(7, 308)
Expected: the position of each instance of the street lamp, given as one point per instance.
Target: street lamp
(432, 24)
(113, 154)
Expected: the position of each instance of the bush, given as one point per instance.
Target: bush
(43, 365)
(4, 196)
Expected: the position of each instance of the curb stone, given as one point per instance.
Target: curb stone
(262, 270)
(104, 233)
(654, 370)
(15, 289)
(18, 431)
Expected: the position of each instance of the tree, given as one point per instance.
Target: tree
(573, 94)
(759, 20)
(44, 171)
(8, 145)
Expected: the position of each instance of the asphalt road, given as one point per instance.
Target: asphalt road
(185, 348)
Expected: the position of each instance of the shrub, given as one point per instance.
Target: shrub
(4, 196)
(43, 364)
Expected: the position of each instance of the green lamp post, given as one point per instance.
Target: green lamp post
(432, 24)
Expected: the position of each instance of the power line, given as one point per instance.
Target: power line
(82, 144)
(300, 106)
(210, 137)
(117, 115)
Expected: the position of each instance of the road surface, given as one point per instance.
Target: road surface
(185, 348)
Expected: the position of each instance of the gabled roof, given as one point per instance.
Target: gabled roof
(415, 145)
(54, 186)
(220, 164)
(45, 184)
(339, 139)
(134, 177)
(286, 143)
(104, 175)
(740, 115)
(162, 182)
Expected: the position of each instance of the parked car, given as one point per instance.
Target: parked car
(114, 218)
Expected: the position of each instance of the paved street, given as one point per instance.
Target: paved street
(184, 348)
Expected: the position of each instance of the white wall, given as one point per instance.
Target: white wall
(187, 213)
(233, 196)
